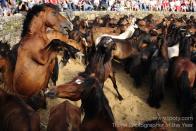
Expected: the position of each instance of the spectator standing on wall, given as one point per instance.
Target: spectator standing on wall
(31, 3)
(165, 5)
(71, 5)
(88, 6)
(22, 7)
(183, 6)
(96, 4)
(64, 4)
(172, 5)
(178, 5)
(104, 4)
(128, 5)
(193, 5)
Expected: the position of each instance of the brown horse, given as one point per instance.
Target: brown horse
(64, 117)
(183, 75)
(101, 62)
(16, 115)
(36, 53)
(71, 90)
(98, 113)
(158, 72)
(7, 65)
(100, 66)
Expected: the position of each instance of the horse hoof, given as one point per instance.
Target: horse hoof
(120, 98)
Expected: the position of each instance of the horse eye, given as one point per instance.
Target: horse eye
(54, 13)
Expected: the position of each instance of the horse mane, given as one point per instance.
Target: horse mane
(96, 62)
(185, 44)
(94, 101)
(36, 9)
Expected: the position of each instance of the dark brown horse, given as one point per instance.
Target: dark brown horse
(36, 53)
(98, 114)
(17, 115)
(100, 65)
(64, 117)
(101, 62)
(71, 90)
(158, 72)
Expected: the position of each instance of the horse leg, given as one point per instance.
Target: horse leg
(56, 35)
(113, 79)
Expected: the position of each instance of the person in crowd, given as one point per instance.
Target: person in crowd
(96, 4)
(9, 7)
(104, 4)
(88, 6)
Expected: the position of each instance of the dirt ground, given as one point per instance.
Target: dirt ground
(133, 109)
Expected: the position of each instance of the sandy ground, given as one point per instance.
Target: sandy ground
(133, 109)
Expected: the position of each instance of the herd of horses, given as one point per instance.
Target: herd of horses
(162, 51)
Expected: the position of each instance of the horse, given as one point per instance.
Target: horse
(158, 72)
(7, 65)
(183, 74)
(98, 113)
(126, 34)
(64, 116)
(36, 51)
(101, 62)
(71, 90)
(16, 115)
(100, 65)
(68, 52)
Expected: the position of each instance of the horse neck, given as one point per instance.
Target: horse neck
(127, 34)
(164, 50)
(185, 48)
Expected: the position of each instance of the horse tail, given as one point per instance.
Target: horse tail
(185, 92)
(157, 88)
(55, 73)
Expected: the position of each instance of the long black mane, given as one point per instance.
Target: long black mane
(36, 9)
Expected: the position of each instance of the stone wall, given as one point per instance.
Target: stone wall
(10, 27)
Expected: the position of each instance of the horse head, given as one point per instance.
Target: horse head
(55, 20)
(105, 47)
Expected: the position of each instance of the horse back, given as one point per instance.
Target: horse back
(16, 115)
(64, 116)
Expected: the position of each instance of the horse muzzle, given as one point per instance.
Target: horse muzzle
(66, 27)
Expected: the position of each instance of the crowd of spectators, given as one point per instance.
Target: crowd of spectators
(10, 7)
